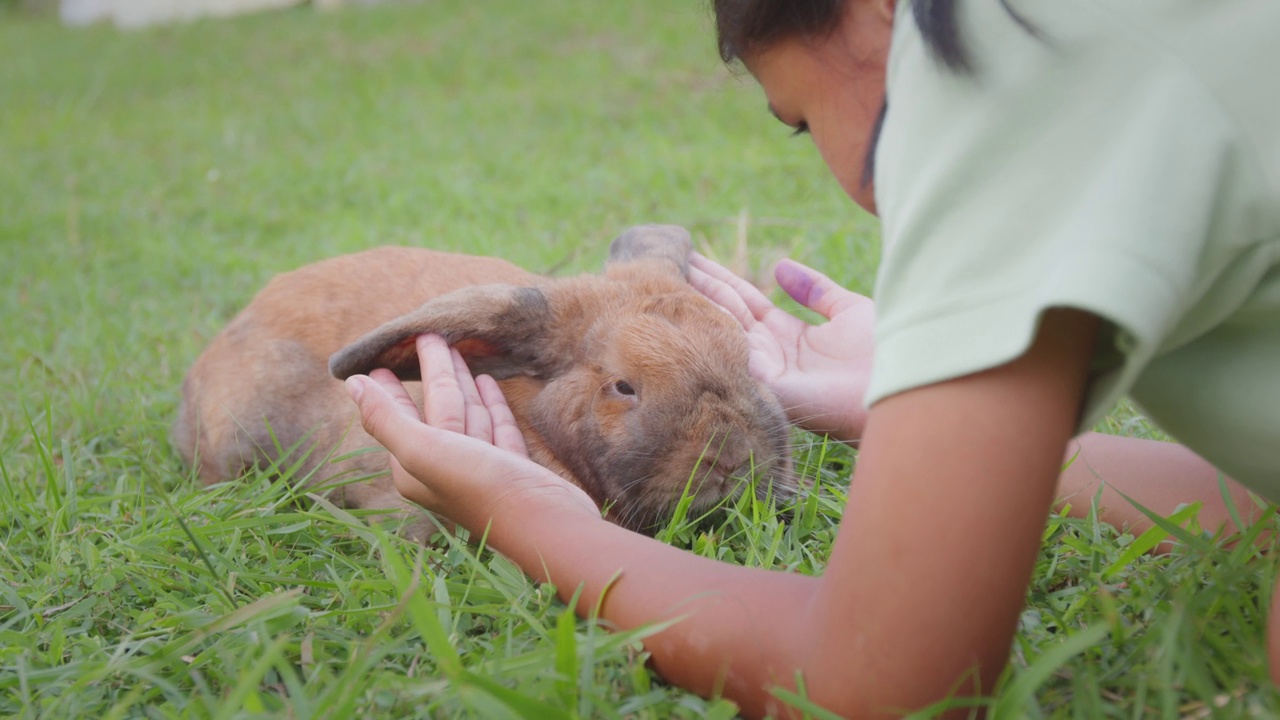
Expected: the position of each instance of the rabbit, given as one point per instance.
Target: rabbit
(631, 385)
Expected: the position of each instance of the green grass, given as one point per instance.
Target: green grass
(150, 182)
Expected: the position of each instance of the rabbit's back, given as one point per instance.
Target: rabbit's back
(263, 386)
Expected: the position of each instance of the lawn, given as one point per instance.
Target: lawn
(151, 182)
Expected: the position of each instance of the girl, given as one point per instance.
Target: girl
(1079, 200)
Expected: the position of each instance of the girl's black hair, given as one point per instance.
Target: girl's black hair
(746, 26)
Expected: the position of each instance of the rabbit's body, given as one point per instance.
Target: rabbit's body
(623, 383)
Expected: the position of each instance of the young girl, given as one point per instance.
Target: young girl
(1080, 199)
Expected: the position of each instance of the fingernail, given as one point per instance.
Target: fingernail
(355, 387)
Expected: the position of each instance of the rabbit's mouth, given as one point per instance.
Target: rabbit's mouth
(714, 486)
(709, 488)
(715, 478)
(727, 480)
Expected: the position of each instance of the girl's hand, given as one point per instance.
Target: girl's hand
(468, 460)
(820, 372)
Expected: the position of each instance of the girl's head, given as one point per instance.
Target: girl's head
(821, 64)
(745, 26)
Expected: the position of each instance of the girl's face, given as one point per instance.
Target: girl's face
(833, 88)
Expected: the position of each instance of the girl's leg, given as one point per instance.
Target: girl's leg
(1160, 476)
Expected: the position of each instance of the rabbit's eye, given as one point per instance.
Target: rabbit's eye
(624, 388)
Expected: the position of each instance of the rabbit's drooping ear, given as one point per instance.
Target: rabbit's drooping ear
(501, 330)
(660, 244)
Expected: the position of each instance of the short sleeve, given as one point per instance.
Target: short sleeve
(1080, 166)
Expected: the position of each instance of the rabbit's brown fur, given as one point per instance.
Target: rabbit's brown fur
(622, 383)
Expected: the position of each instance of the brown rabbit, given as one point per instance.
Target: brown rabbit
(631, 385)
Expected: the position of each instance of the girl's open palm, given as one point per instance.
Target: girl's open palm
(820, 372)
(463, 457)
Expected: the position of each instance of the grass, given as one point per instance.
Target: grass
(150, 182)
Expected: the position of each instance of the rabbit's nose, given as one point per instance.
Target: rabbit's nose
(726, 469)
(733, 459)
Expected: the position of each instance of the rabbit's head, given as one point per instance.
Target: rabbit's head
(632, 384)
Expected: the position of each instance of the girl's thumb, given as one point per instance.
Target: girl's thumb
(355, 387)
(797, 281)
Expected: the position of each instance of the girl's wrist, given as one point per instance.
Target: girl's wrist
(518, 516)
(855, 427)
(845, 427)
(535, 536)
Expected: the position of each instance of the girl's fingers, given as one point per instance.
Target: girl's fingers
(478, 423)
(410, 487)
(721, 295)
(385, 417)
(443, 403)
(756, 305)
(712, 268)
(814, 290)
(506, 434)
(388, 381)
(383, 410)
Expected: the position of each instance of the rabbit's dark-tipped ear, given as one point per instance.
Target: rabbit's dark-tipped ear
(669, 244)
(501, 330)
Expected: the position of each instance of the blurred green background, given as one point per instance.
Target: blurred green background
(151, 181)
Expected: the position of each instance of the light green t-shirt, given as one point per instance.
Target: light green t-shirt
(1125, 162)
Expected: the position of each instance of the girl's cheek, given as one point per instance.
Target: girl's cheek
(843, 156)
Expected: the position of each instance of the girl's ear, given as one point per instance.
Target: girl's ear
(666, 247)
(501, 330)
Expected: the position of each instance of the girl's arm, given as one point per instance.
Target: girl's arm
(820, 372)
(923, 589)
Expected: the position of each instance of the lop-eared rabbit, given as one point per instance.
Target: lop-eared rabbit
(631, 385)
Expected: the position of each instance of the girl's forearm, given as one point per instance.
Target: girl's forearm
(734, 631)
